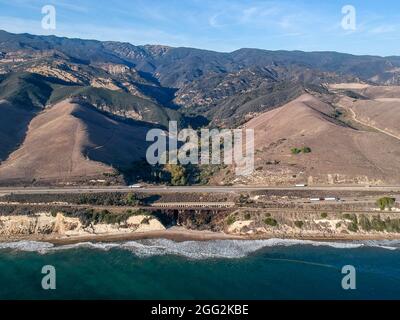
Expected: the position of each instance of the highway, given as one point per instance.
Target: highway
(200, 189)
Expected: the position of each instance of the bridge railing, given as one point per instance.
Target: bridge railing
(193, 204)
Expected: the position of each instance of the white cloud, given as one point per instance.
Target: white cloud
(37, 5)
(213, 21)
(383, 29)
(88, 31)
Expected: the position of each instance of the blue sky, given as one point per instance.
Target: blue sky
(221, 25)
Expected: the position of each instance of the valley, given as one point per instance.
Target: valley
(76, 112)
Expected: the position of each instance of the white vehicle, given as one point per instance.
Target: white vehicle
(301, 185)
(135, 186)
(325, 199)
(331, 199)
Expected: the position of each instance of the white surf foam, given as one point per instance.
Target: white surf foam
(28, 246)
(105, 246)
(215, 248)
(228, 249)
(383, 244)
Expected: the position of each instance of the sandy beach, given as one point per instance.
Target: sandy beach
(180, 234)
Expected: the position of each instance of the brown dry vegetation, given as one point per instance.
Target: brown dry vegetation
(13, 124)
(69, 141)
(381, 110)
(340, 153)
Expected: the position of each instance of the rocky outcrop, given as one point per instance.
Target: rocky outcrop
(60, 225)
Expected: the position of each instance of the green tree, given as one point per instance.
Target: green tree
(131, 199)
(178, 174)
(386, 202)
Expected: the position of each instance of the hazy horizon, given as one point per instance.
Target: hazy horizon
(196, 48)
(222, 26)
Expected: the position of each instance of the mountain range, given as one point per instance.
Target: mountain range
(73, 110)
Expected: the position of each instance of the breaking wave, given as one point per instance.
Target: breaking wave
(227, 249)
(28, 246)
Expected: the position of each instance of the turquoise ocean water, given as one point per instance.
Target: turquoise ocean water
(163, 269)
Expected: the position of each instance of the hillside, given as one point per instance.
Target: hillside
(194, 80)
(32, 92)
(338, 153)
(118, 103)
(74, 110)
(377, 107)
(13, 124)
(26, 91)
(73, 142)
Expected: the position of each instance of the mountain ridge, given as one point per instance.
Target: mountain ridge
(124, 89)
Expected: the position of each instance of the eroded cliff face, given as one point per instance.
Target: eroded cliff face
(60, 225)
(292, 224)
(246, 223)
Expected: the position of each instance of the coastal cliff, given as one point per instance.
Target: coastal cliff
(262, 215)
(43, 224)
(187, 225)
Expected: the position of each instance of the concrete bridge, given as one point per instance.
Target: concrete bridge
(193, 205)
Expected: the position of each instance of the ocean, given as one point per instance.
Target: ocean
(219, 269)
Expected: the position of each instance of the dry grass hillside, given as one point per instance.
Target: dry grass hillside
(71, 142)
(13, 124)
(380, 109)
(339, 153)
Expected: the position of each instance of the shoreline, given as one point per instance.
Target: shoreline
(179, 234)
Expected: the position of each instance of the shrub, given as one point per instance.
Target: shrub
(392, 225)
(230, 220)
(244, 199)
(131, 199)
(351, 217)
(386, 202)
(247, 216)
(299, 224)
(146, 220)
(271, 222)
(337, 113)
(378, 224)
(178, 174)
(300, 150)
(324, 215)
(295, 150)
(353, 227)
(346, 216)
(365, 224)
